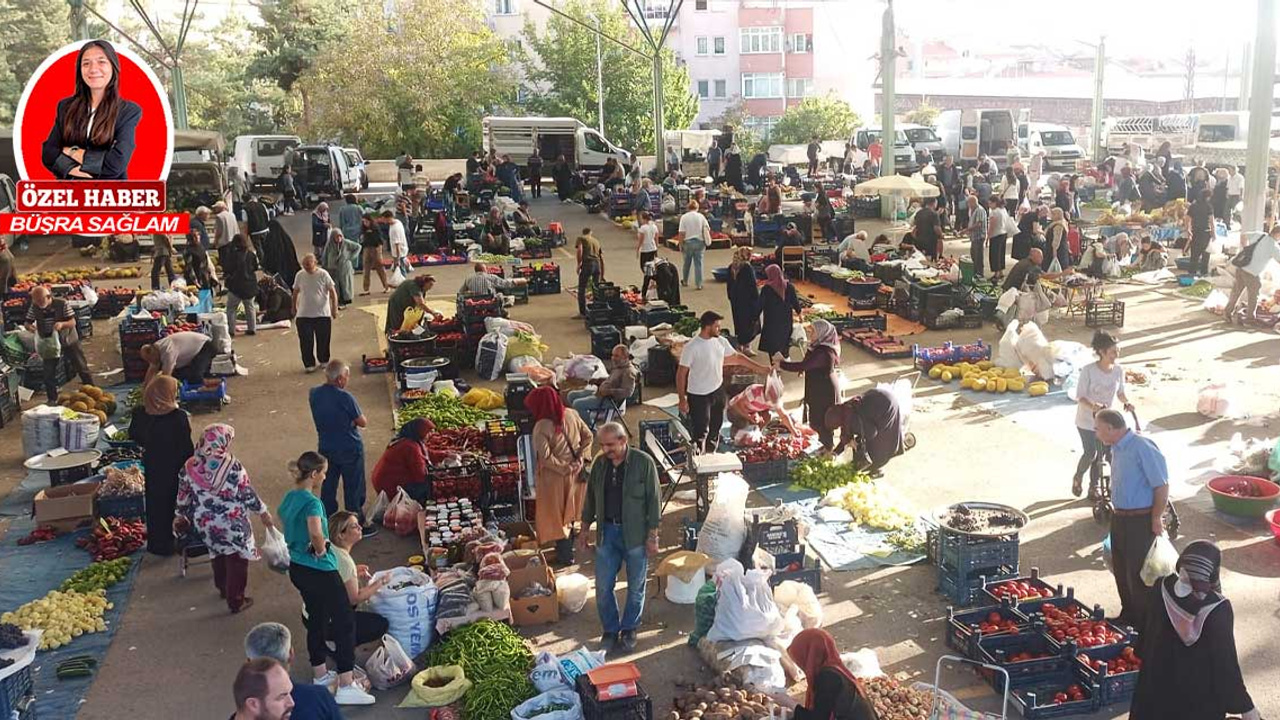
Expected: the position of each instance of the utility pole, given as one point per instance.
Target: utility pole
(1099, 65)
(599, 80)
(888, 62)
(1261, 96)
(1246, 70)
(1189, 81)
(79, 29)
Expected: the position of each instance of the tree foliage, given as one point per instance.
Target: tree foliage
(924, 114)
(29, 31)
(827, 117)
(420, 85)
(560, 66)
(292, 35)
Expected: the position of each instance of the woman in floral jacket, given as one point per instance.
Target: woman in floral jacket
(214, 494)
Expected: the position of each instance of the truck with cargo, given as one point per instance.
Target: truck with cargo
(584, 147)
(967, 135)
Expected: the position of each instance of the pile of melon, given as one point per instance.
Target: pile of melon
(90, 400)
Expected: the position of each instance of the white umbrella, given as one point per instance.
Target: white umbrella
(896, 185)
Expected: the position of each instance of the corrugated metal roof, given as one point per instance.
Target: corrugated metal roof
(1151, 89)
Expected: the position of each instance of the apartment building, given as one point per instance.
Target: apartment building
(766, 54)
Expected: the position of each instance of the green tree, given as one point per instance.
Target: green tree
(560, 67)
(735, 116)
(924, 114)
(420, 86)
(292, 34)
(30, 30)
(827, 117)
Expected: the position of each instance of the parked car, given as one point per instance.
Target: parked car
(924, 138)
(356, 161)
(1061, 153)
(262, 157)
(904, 156)
(324, 171)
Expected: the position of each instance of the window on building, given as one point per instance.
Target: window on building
(760, 40)
(702, 45)
(504, 7)
(721, 89)
(700, 5)
(717, 45)
(799, 87)
(762, 85)
(761, 127)
(800, 43)
(704, 89)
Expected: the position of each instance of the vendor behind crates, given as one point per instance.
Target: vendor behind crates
(832, 693)
(872, 423)
(186, 356)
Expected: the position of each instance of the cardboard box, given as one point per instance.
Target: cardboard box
(522, 535)
(65, 504)
(535, 610)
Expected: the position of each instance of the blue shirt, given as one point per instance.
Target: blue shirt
(334, 411)
(1137, 469)
(314, 702)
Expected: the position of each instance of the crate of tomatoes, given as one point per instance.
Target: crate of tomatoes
(769, 459)
(964, 628)
(1056, 697)
(1028, 658)
(1021, 590)
(1113, 669)
(1064, 626)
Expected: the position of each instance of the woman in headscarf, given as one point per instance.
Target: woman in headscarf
(164, 432)
(872, 423)
(1057, 246)
(776, 307)
(279, 256)
(562, 173)
(320, 226)
(215, 496)
(832, 692)
(562, 445)
(821, 387)
(733, 169)
(404, 462)
(744, 294)
(337, 258)
(1190, 669)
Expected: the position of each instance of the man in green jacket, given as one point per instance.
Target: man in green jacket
(622, 497)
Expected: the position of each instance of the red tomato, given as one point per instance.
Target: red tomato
(1059, 698)
(994, 618)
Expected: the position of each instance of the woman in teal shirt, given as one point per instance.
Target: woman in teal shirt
(313, 569)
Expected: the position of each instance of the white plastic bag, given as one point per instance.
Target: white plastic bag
(90, 295)
(745, 608)
(275, 551)
(1006, 352)
(389, 666)
(863, 663)
(401, 515)
(572, 591)
(1215, 303)
(396, 277)
(725, 528)
(1033, 349)
(578, 662)
(380, 505)
(535, 706)
(790, 593)
(408, 603)
(1216, 401)
(546, 675)
(79, 432)
(1161, 560)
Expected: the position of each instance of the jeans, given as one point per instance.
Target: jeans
(706, 417)
(158, 262)
(330, 614)
(611, 553)
(1091, 460)
(1131, 539)
(588, 405)
(313, 337)
(234, 302)
(996, 250)
(349, 466)
(1246, 284)
(231, 577)
(373, 263)
(1199, 252)
(194, 372)
(976, 247)
(693, 251)
(589, 272)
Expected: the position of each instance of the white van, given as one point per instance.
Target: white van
(904, 156)
(262, 157)
(1061, 153)
(324, 170)
(967, 135)
(518, 136)
(923, 138)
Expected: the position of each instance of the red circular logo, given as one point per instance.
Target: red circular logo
(55, 80)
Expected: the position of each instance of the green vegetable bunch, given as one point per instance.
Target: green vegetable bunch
(98, 576)
(497, 662)
(822, 474)
(446, 411)
(908, 540)
(688, 326)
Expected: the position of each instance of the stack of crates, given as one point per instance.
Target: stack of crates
(472, 312)
(134, 333)
(619, 203)
(518, 388)
(84, 317)
(544, 278)
(967, 562)
(661, 368)
(603, 340)
(8, 393)
(782, 541)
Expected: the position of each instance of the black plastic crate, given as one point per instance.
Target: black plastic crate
(963, 627)
(774, 537)
(126, 506)
(766, 473)
(690, 530)
(862, 289)
(1002, 649)
(810, 574)
(1104, 313)
(639, 707)
(1113, 687)
(966, 590)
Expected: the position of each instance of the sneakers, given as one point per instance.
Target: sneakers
(353, 695)
(311, 368)
(330, 677)
(369, 530)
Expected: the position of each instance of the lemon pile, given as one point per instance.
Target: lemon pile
(986, 376)
(62, 616)
(873, 505)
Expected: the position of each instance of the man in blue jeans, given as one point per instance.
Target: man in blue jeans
(338, 420)
(622, 499)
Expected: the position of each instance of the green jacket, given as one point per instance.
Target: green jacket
(640, 512)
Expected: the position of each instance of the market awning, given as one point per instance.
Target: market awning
(198, 140)
(896, 185)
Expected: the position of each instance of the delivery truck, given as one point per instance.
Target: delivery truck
(967, 135)
(1061, 152)
(585, 148)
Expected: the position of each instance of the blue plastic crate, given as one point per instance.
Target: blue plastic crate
(965, 590)
(962, 627)
(967, 554)
(17, 695)
(1113, 687)
(1035, 702)
(1000, 649)
(1036, 584)
(127, 507)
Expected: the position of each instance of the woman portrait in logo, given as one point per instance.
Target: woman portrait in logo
(93, 133)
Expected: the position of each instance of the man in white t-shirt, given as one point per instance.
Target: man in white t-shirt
(315, 301)
(1248, 277)
(1235, 188)
(646, 247)
(700, 380)
(694, 237)
(399, 242)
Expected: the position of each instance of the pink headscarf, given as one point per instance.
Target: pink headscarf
(774, 278)
(213, 462)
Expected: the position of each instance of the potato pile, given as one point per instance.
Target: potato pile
(90, 400)
(722, 704)
(892, 701)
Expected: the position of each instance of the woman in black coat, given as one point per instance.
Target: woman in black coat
(164, 432)
(744, 294)
(93, 131)
(821, 387)
(563, 175)
(279, 255)
(777, 307)
(733, 170)
(1022, 240)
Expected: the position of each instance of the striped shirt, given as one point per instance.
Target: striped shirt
(485, 284)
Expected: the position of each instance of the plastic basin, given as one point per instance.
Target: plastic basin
(1254, 507)
(1186, 280)
(1273, 519)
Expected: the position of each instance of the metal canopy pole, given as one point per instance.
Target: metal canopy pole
(888, 63)
(1261, 94)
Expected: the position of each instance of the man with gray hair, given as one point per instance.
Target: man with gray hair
(338, 420)
(622, 499)
(225, 228)
(310, 702)
(618, 387)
